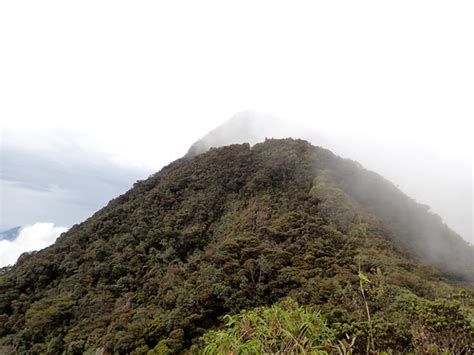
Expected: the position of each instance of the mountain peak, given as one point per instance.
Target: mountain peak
(251, 127)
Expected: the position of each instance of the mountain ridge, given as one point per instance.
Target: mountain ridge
(234, 228)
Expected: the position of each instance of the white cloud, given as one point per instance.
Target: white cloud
(138, 81)
(30, 238)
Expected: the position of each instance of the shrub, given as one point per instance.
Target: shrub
(284, 327)
(48, 315)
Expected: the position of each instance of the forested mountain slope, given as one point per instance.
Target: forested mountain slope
(237, 228)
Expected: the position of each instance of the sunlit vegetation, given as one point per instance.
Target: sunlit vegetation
(283, 230)
(288, 328)
(284, 328)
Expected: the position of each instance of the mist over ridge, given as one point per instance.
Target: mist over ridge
(442, 183)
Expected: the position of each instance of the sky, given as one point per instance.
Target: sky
(97, 94)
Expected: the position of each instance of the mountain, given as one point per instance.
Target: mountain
(10, 234)
(280, 228)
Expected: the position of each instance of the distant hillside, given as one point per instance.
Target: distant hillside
(10, 234)
(283, 228)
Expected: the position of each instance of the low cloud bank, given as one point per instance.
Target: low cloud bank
(30, 238)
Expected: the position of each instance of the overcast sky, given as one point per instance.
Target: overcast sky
(111, 90)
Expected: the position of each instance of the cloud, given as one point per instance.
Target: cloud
(30, 238)
(377, 93)
(70, 179)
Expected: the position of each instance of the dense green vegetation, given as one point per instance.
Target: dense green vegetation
(282, 328)
(243, 228)
(287, 328)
